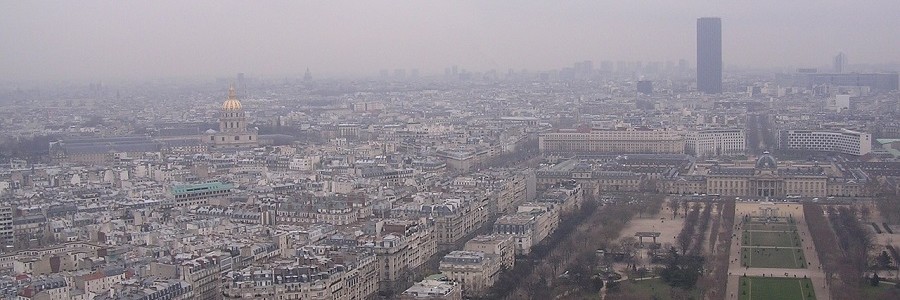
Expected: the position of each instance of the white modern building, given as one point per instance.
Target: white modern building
(839, 102)
(843, 141)
(715, 142)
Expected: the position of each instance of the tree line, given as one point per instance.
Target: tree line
(843, 244)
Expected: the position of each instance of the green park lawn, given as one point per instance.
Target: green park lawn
(655, 289)
(771, 239)
(771, 227)
(768, 288)
(788, 258)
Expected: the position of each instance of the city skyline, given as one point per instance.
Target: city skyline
(162, 40)
(510, 150)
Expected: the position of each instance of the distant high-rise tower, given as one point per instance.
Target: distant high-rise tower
(400, 74)
(840, 61)
(709, 55)
(645, 87)
(307, 76)
(241, 83)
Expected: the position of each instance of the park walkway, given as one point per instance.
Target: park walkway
(736, 270)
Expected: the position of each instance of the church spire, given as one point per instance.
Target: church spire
(231, 93)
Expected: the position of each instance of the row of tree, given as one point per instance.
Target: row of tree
(826, 245)
(534, 273)
(842, 247)
(700, 237)
(687, 235)
(854, 240)
(525, 150)
(889, 208)
(682, 271)
(716, 227)
(577, 253)
(714, 285)
(30, 148)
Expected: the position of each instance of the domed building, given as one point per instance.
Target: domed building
(233, 132)
(766, 161)
(769, 179)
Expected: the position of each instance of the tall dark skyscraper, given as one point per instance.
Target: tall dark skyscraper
(709, 55)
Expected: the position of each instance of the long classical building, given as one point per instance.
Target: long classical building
(715, 142)
(843, 141)
(598, 141)
(766, 178)
(680, 174)
(612, 173)
(101, 150)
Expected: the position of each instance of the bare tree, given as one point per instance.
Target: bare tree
(865, 211)
(673, 205)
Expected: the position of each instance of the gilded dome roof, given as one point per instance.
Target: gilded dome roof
(232, 103)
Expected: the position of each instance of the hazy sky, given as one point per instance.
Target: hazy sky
(108, 40)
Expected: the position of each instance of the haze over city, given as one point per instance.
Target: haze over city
(452, 150)
(110, 41)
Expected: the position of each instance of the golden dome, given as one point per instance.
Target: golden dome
(232, 103)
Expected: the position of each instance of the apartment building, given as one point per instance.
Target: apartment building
(501, 245)
(507, 187)
(474, 271)
(463, 159)
(317, 274)
(515, 189)
(456, 218)
(567, 196)
(430, 289)
(47, 288)
(404, 246)
(204, 274)
(171, 289)
(100, 281)
(529, 226)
